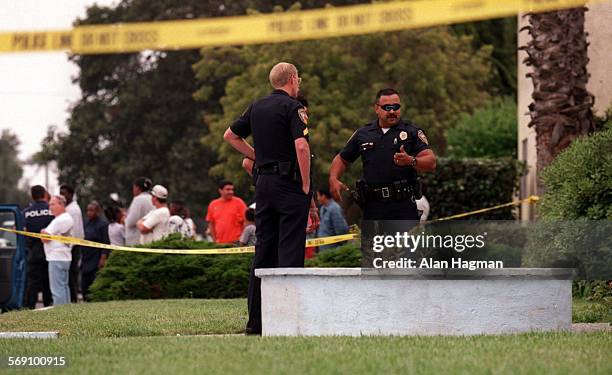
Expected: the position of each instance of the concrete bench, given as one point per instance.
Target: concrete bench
(354, 302)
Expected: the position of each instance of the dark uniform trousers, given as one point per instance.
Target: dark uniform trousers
(87, 278)
(280, 220)
(391, 210)
(38, 276)
(73, 274)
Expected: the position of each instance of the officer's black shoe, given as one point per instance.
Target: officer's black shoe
(252, 332)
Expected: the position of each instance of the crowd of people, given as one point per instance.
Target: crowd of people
(60, 270)
(286, 207)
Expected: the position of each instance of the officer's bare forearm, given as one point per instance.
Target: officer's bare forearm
(426, 161)
(338, 167)
(239, 144)
(302, 150)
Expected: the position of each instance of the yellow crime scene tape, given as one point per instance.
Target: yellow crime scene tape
(271, 28)
(530, 199)
(237, 250)
(230, 250)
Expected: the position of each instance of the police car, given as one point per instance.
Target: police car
(13, 256)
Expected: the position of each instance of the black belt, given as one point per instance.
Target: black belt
(283, 168)
(268, 169)
(395, 191)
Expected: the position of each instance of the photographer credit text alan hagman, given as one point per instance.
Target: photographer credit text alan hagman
(458, 243)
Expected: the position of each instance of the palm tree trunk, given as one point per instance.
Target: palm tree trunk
(562, 107)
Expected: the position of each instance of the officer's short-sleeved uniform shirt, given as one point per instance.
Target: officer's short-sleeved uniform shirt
(275, 122)
(377, 148)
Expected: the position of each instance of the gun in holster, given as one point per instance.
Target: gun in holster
(359, 194)
(416, 190)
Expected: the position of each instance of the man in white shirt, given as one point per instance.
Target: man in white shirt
(78, 231)
(59, 254)
(154, 226)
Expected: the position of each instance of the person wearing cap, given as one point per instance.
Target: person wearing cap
(140, 206)
(154, 226)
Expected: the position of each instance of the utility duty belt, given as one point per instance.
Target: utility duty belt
(282, 168)
(395, 191)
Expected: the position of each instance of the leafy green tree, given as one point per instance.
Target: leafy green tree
(11, 170)
(489, 132)
(500, 33)
(439, 76)
(137, 115)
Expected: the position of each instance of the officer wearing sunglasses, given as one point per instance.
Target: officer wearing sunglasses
(392, 151)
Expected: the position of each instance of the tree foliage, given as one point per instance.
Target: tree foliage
(579, 181)
(489, 132)
(500, 33)
(11, 169)
(439, 76)
(137, 115)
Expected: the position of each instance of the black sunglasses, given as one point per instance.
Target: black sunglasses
(389, 107)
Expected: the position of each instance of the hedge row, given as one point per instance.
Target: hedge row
(148, 276)
(462, 185)
(145, 276)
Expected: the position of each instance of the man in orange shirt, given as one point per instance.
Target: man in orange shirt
(225, 215)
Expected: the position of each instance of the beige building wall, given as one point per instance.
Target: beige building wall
(598, 24)
(526, 135)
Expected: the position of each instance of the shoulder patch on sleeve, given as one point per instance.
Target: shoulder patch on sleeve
(303, 115)
(422, 137)
(305, 131)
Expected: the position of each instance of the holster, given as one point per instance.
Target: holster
(360, 193)
(417, 191)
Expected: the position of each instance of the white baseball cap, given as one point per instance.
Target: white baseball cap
(159, 191)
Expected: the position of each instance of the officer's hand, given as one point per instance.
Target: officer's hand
(335, 187)
(402, 158)
(314, 220)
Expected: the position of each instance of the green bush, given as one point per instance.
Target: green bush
(348, 255)
(579, 181)
(488, 132)
(574, 230)
(596, 290)
(461, 185)
(130, 275)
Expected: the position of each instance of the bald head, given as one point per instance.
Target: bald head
(281, 74)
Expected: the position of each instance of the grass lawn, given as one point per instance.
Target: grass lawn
(140, 337)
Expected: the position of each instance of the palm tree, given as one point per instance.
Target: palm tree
(562, 107)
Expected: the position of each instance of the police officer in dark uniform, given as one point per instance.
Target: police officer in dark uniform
(37, 217)
(278, 124)
(392, 152)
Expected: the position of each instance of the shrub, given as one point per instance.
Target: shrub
(579, 181)
(348, 255)
(488, 132)
(574, 230)
(461, 185)
(130, 275)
